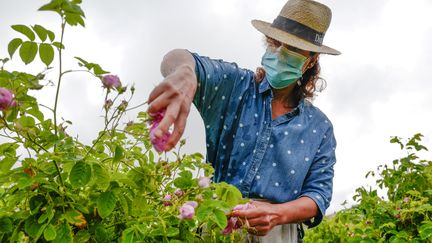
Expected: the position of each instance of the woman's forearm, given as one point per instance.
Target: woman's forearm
(296, 211)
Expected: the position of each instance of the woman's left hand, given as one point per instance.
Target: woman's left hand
(260, 220)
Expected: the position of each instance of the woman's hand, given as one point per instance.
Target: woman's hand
(260, 220)
(174, 94)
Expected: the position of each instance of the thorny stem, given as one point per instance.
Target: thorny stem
(59, 78)
(63, 25)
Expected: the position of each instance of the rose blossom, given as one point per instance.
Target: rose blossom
(232, 221)
(191, 203)
(111, 81)
(204, 182)
(158, 143)
(167, 200)
(187, 211)
(179, 192)
(6, 99)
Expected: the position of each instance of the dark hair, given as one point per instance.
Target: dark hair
(310, 82)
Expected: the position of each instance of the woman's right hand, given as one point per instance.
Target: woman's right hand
(174, 95)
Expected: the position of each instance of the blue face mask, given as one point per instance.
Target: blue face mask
(283, 67)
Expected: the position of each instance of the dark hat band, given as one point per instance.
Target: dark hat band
(299, 30)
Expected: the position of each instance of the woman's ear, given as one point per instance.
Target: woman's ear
(310, 63)
(259, 74)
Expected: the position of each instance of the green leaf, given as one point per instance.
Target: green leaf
(6, 164)
(58, 45)
(24, 30)
(220, 218)
(46, 53)
(26, 122)
(34, 111)
(13, 46)
(54, 5)
(127, 236)
(74, 217)
(172, 232)
(426, 231)
(82, 236)
(51, 35)
(5, 225)
(82, 62)
(28, 51)
(32, 228)
(203, 212)
(41, 32)
(98, 70)
(64, 234)
(118, 154)
(74, 19)
(50, 233)
(106, 204)
(80, 174)
(101, 177)
(230, 194)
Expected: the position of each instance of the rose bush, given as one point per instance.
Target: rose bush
(55, 188)
(404, 215)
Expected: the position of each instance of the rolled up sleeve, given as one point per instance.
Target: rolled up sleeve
(319, 182)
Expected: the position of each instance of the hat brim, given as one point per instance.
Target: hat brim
(290, 39)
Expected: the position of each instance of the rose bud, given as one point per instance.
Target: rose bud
(179, 193)
(167, 200)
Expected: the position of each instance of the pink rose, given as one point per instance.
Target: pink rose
(179, 192)
(187, 212)
(6, 99)
(245, 206)
(167, 200)
(231, 226)
(158, 143)
(191, 203)
(232, 221)
(204, 182)
(111, 81)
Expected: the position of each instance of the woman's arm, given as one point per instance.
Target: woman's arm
(174, 94)
(261, 220)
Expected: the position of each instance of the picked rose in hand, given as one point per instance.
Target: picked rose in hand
(158, 143)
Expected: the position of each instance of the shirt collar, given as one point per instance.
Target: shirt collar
(264, 86)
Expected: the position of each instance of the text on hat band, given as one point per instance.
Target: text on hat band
(299, 30)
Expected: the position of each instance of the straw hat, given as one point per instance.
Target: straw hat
(302, 24)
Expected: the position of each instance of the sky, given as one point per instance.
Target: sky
(379, 87)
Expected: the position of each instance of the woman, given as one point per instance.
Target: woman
(263, 136)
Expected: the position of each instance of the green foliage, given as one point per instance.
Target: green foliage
(404, 215)
(55, 188)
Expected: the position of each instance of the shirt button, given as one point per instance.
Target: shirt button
(277, 184)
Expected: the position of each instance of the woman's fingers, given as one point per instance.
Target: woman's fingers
(171, 114)
(179, 127)
(159, 103)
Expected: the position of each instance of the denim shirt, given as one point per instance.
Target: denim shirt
(278, 159)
